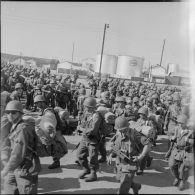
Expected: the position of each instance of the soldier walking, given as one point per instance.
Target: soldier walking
(88, 146)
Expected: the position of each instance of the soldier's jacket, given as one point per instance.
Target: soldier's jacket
(151, 110)
(90, 123)
(182, 143)
(173, 112)
(22, 157)
(130, 146)
(171, 117)
(141, 122)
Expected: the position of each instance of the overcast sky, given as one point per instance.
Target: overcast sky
(49, 29)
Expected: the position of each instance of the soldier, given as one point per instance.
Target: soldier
(105, 101)
(88, 146)
(21, 164)
(129, 147)
(150, 107)
(120, 106)
(49, 93)
(136, 106)
(40, 102)
(103, 85)
(179, 159)
(37, 91)
(16, 95)
(171, 117)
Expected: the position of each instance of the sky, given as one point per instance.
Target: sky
(49, 30)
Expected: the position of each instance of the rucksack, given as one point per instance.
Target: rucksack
(105, 128)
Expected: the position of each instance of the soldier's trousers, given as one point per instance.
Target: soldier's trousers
(15, 184)
(102, 148)
(178, 169)
(86, 149)
(126, 182)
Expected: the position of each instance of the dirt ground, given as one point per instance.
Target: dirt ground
(156, 180)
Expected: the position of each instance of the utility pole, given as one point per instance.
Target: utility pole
(162, 51)
(105, 26)
(72, 56)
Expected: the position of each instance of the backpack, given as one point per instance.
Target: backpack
(56, 146)
(105, 128)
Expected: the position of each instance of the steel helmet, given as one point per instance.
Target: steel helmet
(39, 98)
(90, 102)
(82, 91)
(135, 99)
(182, 119)
(121, 123)
(120, 99)
(152, 117)
(105, 94)
(142, 97)
(143, 110)
(18, 86)
(14, 105)
(149, 99)
(155, 96)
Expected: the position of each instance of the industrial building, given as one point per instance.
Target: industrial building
(121, 66)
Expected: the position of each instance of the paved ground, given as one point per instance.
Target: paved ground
(156, 180)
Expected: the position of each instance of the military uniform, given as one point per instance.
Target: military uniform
(180, 155)
(23, 165)
(90, 124)
(130, 146)
(170, 118)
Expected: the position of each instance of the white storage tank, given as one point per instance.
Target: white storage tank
(172, 68)
(129, 66)
(109, 63)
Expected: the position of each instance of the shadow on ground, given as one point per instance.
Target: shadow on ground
(155, 179)
(92, 191)
(48, 185)
(45, 170)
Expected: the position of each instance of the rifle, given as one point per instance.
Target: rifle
(132, 165)
(167, 155)
(76, 147)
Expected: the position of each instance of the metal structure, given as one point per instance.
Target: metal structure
(172, 68)
(108, 64)
(105, 26)
(129, 66)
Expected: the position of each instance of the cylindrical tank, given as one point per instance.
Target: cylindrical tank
(109, 63)
(129, 66)
(172, 68)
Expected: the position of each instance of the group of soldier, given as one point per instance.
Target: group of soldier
(139, 111)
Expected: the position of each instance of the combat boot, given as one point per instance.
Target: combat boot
(54, 165)
(181, 185)
(176, 182)
(136, 187)
(92, 176)
(149, 161)
(86, 171)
